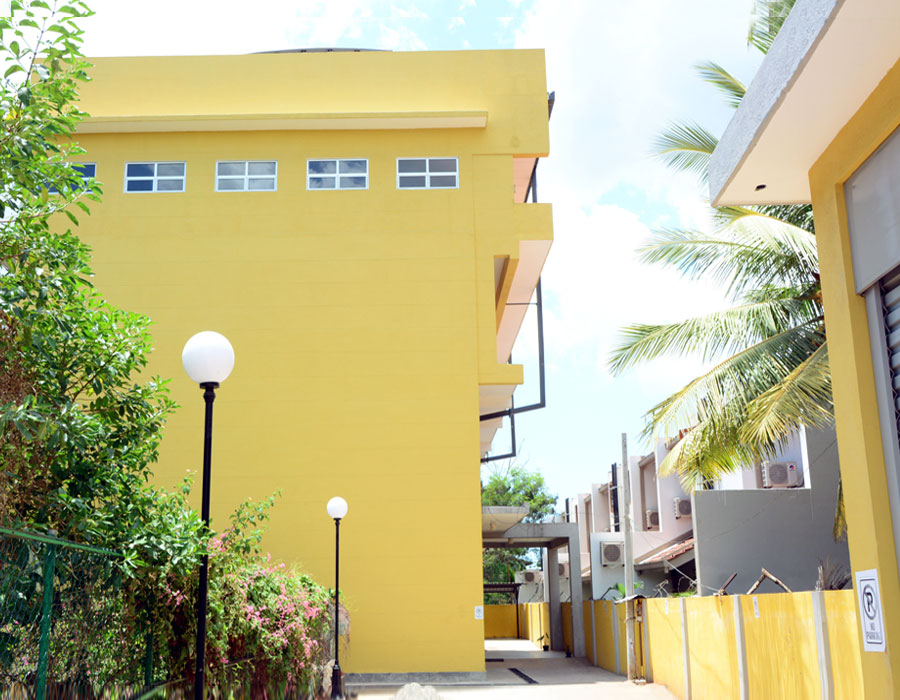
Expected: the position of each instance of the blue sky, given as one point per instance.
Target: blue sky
(621, 72)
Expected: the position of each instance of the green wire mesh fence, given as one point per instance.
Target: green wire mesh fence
(66, 634)
(62, 628)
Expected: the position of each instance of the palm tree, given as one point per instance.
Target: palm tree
(770, 374)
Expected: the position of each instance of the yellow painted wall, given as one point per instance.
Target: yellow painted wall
(535, 623)
(363, 322)
(666, 643)
(500, 622)
(566, 612)
(588, 634)
(782, 659)
(856, 412)
(604, 614)
(846, 667)
(712, 647)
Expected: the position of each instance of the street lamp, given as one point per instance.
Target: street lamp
(337, 509)
(208, 359)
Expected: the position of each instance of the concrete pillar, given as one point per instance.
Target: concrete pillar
(556, 631)
(577, 597)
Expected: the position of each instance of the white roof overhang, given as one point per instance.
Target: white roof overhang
(827, 59)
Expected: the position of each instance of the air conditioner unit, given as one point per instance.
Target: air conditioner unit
(530, 576)
(564, 570)
(781, 475)
(682, 508)
(652, 520)
(612, 553)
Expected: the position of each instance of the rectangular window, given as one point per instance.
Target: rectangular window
(87, 171)
(154, 177)
(427, 173)
(246, 176)
(337, 174)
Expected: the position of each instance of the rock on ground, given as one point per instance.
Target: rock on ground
(414, 691)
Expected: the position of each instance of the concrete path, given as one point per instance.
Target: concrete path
(538, 674)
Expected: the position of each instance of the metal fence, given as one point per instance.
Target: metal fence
(66, 633)
(63, 632)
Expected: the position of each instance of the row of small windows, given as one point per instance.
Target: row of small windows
(262, 175)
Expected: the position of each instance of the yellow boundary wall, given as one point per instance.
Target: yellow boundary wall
(500, 622)
(769, 645)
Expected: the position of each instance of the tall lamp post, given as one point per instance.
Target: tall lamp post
(208, 359)
(337, 509)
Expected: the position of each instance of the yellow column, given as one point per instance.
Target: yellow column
(856, 411)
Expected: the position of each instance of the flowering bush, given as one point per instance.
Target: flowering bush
(273, 617)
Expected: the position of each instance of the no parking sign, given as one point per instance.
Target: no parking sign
(870, 616)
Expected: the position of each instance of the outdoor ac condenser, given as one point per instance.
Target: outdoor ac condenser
(652, 520)
(612, 553)
(564, 570)
(781, 475)
(682, 508)
(530, 576)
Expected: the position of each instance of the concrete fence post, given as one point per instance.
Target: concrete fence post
(685, 650)
(741, 648)
(593, 632)
(822, 645)
(615, 630)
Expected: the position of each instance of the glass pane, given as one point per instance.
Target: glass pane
(321, 183)
(443, 180)
(350, 183)
(139, 186)
(261, 168)
(86, 169)
(412, 181)
(442, 165)
(230, 184)
(169, 169)
(322, 167)
(139, 170)
(173, 185)
(262, 183)
(232, 168)
(353, 167)
(411, 165)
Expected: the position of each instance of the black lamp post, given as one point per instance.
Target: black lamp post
(208, 359)
(337, 509)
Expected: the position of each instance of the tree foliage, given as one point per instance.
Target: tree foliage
(512, 485)
(769, 354)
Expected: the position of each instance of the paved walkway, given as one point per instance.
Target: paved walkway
(544, 675)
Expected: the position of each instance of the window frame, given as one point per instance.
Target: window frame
(155, 178)
(427, 173)
(246, 176)
(337, 175)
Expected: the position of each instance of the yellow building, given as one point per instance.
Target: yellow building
(355, 223)
(821, 123)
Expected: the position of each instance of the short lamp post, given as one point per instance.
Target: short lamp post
(208, 359)
(337, 509)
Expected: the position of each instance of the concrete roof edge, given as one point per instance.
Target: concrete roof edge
(790, 51)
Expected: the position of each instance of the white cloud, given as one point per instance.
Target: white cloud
(455, 22)
(465, 5)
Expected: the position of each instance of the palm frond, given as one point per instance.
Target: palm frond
(727, 388)
(706, 453)
(731, 87)
(799, 215)
(711, 335)
(803, 397)
(754, 250)
(766, 21)
(686, 147)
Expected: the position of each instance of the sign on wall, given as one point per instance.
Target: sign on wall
(870, 615)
